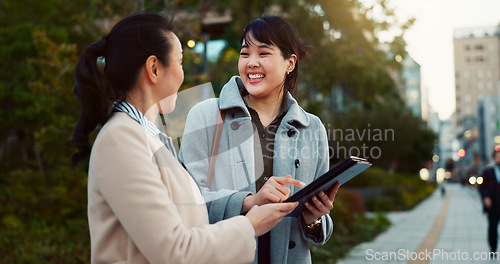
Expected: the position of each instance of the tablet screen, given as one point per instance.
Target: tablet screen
(342, 173)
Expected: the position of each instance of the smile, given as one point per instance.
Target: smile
(254, 77)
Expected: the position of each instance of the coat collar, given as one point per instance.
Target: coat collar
(231, 97)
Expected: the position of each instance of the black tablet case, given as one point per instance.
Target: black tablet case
(343, 172)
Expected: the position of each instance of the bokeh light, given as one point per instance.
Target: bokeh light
(440, 175)
(479, 180)
(472, 180)
(191, 43)
(424, 174)
(461, 153)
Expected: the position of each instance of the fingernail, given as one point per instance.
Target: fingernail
(302, 183)
(306, 203)
(322, 194)
(314, 198)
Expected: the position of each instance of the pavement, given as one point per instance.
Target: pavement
(448, 228)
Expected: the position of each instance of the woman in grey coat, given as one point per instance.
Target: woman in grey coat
(264, 133)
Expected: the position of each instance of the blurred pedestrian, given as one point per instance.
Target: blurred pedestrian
(143, 207)
(265, 132)
(490, 193)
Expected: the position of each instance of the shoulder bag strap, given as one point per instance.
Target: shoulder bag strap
(215, 146)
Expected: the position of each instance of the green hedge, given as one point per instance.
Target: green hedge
(400, 191)
(43, 218)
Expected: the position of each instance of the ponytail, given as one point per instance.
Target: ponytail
(92, 92)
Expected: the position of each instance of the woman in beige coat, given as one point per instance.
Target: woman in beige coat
(143, 207)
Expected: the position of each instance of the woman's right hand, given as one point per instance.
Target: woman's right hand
(265, 217)
(273, 191)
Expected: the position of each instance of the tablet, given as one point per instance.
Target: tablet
(343, 172)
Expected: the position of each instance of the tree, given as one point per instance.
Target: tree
(43, 199)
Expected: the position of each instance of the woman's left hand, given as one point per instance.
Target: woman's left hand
(318, 207)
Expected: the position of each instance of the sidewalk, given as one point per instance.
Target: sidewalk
(449, 229)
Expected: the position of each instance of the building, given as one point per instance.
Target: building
(412, 89)
(477, 76)
(489, 127)
(477, 70)
(407, 82)
(446, 138)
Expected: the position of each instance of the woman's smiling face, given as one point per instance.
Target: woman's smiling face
(263, 68)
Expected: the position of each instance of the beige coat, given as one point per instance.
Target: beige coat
(143, 207)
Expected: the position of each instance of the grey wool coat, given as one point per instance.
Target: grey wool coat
(301, 150)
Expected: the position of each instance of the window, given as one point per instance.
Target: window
(467, 47)
(466, 74)
(468, 110)
(480, 85)
(414, 95)
(478, 47)
(479, 73)
(479, 59)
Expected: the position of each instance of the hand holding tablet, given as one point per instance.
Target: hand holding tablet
(343, 172)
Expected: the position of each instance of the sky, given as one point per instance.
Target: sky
(430, 41)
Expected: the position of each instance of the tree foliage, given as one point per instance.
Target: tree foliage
(43, 199)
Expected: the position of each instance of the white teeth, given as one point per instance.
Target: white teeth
(255, 76)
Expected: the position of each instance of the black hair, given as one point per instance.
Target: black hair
(274, 30)
(123, 51)
(495, 153)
